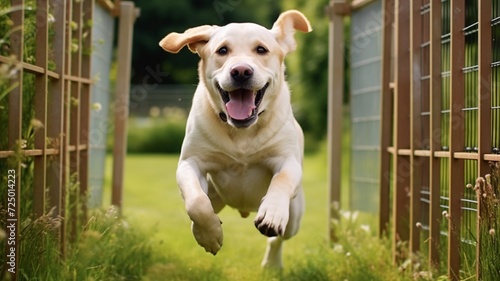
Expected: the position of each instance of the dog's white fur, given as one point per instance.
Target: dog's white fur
(253, 164)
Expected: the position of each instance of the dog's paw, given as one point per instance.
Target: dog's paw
(272, 217)
(209, 235)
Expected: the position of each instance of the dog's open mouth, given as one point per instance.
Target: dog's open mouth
(242, 105)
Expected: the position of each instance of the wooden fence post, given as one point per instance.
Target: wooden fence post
(484, 103)
(416, 93)
(456, 135)
(128, 14)
(335, 11)
(386, 96)
(435, 132)
(41, 89)
(401, 142)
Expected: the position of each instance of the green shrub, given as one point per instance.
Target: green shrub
(153, 136)
(163, 136)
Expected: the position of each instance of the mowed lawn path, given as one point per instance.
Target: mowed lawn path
(152, 201)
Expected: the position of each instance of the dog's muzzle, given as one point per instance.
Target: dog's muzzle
(242, 105)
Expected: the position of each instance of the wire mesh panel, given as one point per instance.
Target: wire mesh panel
(441, 128)
(103, 30)
(495, 77)
(445, 74)
(366, 24)
(453, 125)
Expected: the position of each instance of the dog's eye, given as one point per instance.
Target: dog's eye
(261, 50)
(222, 51)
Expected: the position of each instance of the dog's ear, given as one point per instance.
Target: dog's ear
(285, 26)
(194, 38)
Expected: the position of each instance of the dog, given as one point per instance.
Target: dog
(243, 147)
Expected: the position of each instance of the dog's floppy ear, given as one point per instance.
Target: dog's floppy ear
(194, 37)
(285, 26)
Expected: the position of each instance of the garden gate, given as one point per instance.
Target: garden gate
(439, 121)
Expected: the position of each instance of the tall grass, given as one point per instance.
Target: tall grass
(108, 248)
(358, 255)
(488, 194)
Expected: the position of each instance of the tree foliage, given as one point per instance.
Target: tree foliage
(307, 68)
(158, 18)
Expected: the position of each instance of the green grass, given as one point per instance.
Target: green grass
(106, 249)
(152, 201)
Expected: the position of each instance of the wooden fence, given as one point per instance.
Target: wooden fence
(439, 122)
(45, 106)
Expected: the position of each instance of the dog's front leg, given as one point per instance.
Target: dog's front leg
(273, 214)
(206, 224)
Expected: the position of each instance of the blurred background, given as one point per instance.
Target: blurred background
(163, 83)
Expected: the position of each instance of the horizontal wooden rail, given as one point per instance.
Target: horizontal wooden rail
(445, 154)
(29, 152)
(30, 68)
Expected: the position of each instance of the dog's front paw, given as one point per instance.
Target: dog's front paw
(272, 217)
(208, 235)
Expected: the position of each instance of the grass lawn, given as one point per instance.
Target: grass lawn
(153, 203)
(152, 200)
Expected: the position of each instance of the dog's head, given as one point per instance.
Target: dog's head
(241, 63)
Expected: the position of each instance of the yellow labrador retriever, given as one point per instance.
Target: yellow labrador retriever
(243, 147)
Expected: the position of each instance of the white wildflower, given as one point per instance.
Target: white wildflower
(36, 124)
(338, 248)
(51, 18)
(365, 227)
(96, 106)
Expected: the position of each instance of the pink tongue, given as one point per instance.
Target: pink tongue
(241, 104)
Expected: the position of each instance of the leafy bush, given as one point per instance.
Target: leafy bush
(153, 136)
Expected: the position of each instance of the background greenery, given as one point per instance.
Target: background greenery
(306, 68)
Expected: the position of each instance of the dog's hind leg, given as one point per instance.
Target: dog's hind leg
(272, 257)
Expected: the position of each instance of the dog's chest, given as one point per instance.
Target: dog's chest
(241, 185)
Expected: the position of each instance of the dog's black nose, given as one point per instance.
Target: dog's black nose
(241, 72)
